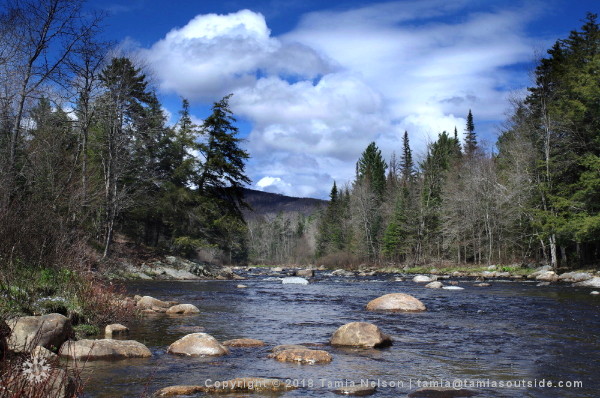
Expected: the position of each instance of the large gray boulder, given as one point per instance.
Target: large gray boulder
(423, 279)
(49, 331)
(360, 334)
(149, 302)
(594, 282)
(197, 344)
(106, 349)
(575, 277)
(396, 302)
(184, 309)
(547, 276)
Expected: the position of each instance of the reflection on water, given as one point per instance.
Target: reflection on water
(510, 331)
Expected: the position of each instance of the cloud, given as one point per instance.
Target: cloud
(317, 96)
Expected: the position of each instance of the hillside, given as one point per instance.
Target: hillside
(271, 203)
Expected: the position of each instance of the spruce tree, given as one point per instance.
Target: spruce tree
(470, 136)
(370, 169)
(407, 166)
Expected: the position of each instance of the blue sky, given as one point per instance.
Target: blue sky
(315, 82)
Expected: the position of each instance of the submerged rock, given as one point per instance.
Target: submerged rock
(396, 302)
(243, 343)
(239, 385)
(453, 288)
(104, 349)
(282, 347)
(294, 280)
(356, 390)
(197, 344)
(30, 331)
(360, 334)
(185, 309)
(484, 284)
(438, 392)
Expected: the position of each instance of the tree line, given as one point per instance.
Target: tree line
(535, 198)
(86, 150)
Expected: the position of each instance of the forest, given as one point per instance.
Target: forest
(88, 158)
(534, 198)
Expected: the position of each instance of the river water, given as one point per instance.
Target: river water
(511, 333)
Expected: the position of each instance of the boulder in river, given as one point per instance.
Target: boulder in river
(453, 288)
(302, 355)
(197, 344)
(185, 309)
(434, 285)
(594, 282)
(360, 334)
(483, 284)
(294, 280)
(106, 349)
(115, 330)
(423, 279)
(243, 343)
(30, 331)
(440, 392)
(574, 277)
(148, 302)
(595, 293)
(305, 273)
(396, 302)
(547, 276)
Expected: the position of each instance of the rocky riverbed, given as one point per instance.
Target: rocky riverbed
(401, 331)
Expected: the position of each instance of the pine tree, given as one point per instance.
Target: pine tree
(407, 166)
(470, 136)
(370, 170)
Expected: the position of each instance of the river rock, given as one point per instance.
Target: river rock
(439, 392)
(360, 334)
(547, 276)
(423, 279)
(575, 277)
(453, 288)
(41, 352)
(148, 302)
(539, 271)
(484, 284)
(241, 286)
(30, 331)
(306, 273)
(294, 280)
(185, 309)
(595, 293)
(342, 272)
(115, 330)
(197, 344)
(104, 349)
(277, 269)
(303, 355)
(239, 385)
(434, 285)
(282, 347)
(396, 302)
(243, 343)
(594, 282)
(356, 390)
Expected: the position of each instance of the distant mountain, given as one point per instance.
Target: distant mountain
(272, 203)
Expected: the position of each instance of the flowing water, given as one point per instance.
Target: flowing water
(511, 333)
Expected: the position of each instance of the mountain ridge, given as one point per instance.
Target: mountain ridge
(263, 203)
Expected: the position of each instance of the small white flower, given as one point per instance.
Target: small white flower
(36, 369)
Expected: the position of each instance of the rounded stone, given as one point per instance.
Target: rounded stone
(197, 344)
(396, 302)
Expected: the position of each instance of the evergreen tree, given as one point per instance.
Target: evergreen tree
(370, 170)
(470, 136)
(407, 167)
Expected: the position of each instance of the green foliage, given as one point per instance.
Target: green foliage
(370, 169)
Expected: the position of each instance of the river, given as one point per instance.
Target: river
(511, 333)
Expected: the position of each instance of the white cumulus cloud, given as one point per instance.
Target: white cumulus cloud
(317, 96)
